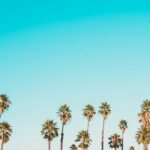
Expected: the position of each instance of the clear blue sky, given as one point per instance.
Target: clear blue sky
(74, 52)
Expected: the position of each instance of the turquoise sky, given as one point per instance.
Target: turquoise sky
(74, 52)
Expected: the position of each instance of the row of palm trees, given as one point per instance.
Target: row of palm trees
(143, 133)
(5, 128)
(50, 129)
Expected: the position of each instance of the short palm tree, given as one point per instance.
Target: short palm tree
(123, 126)
(84, 140)
(143, 137)
(115, 141)
(104, 110)
(64, 114)
(5, 133)
(4, 103)
(131, 148)
(73, 147)
(49, 131)
(88, 112)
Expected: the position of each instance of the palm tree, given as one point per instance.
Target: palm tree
(115, 141)
(4, 103)
(64, 114)
(84, 138)
(143, 137)
(145, 113)
(104, 110)
(146, 105)
(143, 118)
(88, 112)
(5, 133)
(49, 131)
(123, 126)
(131, 148)
(73, 147)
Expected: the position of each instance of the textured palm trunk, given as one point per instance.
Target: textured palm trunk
(102, 146)
(62, 137)
(145, 147)
(2, 143)
(88, 126)
(49, 145)
(122, 140)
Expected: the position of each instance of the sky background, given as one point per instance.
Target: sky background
(74, 52)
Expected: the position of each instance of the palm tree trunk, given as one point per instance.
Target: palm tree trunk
(2, 144)
(49, 145)
(88, 126)
(102, 146)
(122, 140)
(62, 137)
(145, 147)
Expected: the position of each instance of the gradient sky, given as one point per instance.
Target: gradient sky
(74, 52)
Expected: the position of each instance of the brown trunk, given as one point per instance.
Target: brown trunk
(102, 146)
(2, 143)
(49, 145)
(88, 126)
(62, 137)
(145, 147)
(122, 140)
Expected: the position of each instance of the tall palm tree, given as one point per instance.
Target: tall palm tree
(64, 114)
(104, 110)
(145, 113)
(143, 118)
(84, 138)
(143, 137)
(131, 148)
(123, 126)
(146, 105)
(4, 103)
(115, 141)
(5, 133)
(73, 147)
(88, 112)
(49, 131)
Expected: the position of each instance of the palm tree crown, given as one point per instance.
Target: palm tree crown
(5, 132)
(4, 103)
(114, 141)
(104, 109)
(131, 148)
(49, 130)
(64, 113)
(143, 136)
(145, 111)
(89, 112)
(73, 147)
(123, 125)
(146, 105)
(84, 139)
